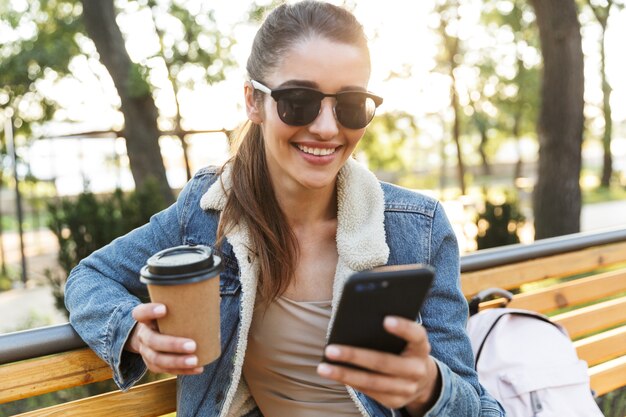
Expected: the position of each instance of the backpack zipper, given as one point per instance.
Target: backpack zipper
(535, 403)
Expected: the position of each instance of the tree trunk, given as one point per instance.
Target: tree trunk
(449, 18)
(444, 159)
(517, 123)
(557, 195)
(452, 44)
(607, 165)
(602, 13)
(456, 135)
(140, 113)
(178, 128)
(486, 167)
(3, 265)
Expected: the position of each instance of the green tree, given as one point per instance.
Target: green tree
(387, 144)
(557, 194)
(194, 54)
(47, 35)
(3, 266)
(602, 12)
(40, 42)
(514, 69)
(137, 103)
(481, 113)
(449, 59)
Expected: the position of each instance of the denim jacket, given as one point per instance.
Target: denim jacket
(377, 224)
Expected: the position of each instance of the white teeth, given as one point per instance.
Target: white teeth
(317, 151)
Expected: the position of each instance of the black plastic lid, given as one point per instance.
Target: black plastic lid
(181, 265)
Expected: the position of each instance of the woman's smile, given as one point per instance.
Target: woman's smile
(318, 154)
(316, 151)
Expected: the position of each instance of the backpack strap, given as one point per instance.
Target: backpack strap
(486, 294)
(497, 313)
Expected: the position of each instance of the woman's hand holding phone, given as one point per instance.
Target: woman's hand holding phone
(410, 379)
(376, 344)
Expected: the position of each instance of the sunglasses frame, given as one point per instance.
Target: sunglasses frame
(276, 94)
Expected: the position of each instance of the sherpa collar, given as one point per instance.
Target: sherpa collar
(361, 245)
(360, 214)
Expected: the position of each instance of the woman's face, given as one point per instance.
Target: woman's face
(291, 151)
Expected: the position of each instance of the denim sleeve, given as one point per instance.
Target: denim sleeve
(102, 290)
(445, 315)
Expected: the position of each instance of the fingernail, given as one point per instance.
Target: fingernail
(192, 361)
(391, 322)
(189, 346)
(160, 309)
(333, 352)
(324, 369)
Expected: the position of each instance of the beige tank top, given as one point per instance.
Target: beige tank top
(285, 346)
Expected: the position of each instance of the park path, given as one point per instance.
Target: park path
(603, 215)
(33, 306)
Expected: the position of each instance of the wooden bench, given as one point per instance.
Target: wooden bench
(580, 280)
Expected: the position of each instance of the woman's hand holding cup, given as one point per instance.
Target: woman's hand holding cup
(161, 353)
(186, 278)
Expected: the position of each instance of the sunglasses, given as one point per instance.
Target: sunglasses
(299, 106)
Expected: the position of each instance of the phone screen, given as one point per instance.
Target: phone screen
(369, 296)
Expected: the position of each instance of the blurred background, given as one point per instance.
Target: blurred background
(512, 113)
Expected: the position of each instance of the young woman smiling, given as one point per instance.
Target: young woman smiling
(293, 216)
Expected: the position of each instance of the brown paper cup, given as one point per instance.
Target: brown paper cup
(187, 280)
(193, 311)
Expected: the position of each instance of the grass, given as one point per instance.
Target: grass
(602, 194)
(31, 222)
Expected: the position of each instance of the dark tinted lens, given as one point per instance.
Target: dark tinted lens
(354, 110)
(299, 106)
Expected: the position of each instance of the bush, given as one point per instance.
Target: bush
(84, 224)
(613, 404)
(498, 224)
(6, 283)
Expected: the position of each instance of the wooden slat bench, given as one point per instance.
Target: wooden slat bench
(579, 280)
(580, 285)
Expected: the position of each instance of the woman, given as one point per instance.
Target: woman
(293, 216)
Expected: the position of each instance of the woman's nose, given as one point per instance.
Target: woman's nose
(325, 125)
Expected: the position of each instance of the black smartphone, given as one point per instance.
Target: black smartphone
(369, 296)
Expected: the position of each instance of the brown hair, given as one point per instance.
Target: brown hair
(251, 198)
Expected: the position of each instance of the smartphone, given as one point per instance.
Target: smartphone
(369, 296)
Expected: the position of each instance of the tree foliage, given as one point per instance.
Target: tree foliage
(387, 144)
(512, 72)
(448, 60)
(192, 53)
(45, 38)
(42, 38)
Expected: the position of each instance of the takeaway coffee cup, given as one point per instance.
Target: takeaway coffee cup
(186, 280)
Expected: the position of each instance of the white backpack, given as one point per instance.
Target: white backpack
(528, 363)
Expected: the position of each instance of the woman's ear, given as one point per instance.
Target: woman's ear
(252, 105)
